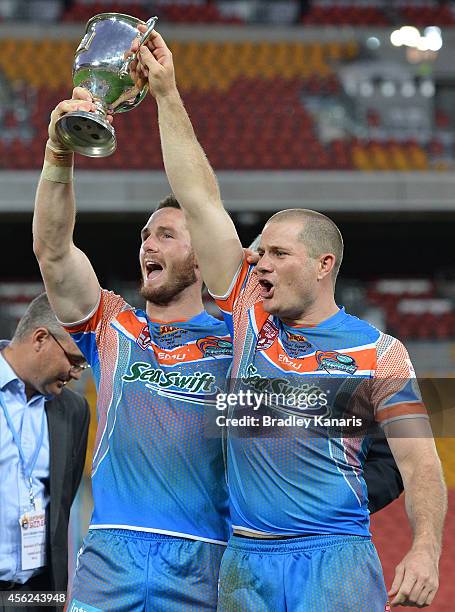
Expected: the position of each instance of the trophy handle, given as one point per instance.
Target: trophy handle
(124, 70)
(85, 43)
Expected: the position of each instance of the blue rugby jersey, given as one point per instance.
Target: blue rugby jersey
(295, 479)
(154, 467)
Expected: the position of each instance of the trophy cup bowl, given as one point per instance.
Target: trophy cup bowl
(100, 66)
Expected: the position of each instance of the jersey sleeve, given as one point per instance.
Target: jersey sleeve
(395, 390)
(89, 333)
(241, 291)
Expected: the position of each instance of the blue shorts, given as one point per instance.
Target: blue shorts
(119, 570)
(307, 574)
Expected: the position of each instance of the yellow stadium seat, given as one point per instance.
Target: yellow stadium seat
(361, 159)
(333, 51)
(419, 159)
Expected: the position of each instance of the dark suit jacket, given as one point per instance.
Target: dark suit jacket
(381, 474)
(68, 417)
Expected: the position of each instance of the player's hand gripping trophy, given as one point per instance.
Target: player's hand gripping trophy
(102, 66)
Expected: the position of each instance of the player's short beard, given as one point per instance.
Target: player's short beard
(181, 276)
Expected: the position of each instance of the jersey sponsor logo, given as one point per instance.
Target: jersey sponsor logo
(193, 387)
(331, 360)
(267, 336)
(296, 345)
(170, 356)
(306, 398)
(211, 346)
(143, 340)
(285, 359)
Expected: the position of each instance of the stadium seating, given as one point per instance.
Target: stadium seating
(392, 538)
(431, 13)
(321, 12)
(344, 14)
(413, 308)
(176, 13)
(413, 12)
(389, 155)
(247, 102)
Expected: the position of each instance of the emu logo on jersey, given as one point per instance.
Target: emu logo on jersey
(331, 360)
(266, 336)
(144, 339)
(211, 346)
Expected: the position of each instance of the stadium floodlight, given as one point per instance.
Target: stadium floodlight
(423, 44)
(350, 87)
(427, 88)
(410, 36)
(432, 35)
(408, 89)
(388, 89)
(395, 38)
(373, 43)
(366, 89)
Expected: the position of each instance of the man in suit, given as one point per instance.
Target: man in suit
(43, 441)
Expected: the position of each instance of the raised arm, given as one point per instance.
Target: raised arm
(214, 237)
(71, 283)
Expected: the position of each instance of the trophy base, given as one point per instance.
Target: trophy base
(86, 133)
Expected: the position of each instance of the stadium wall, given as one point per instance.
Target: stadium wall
(133, 191)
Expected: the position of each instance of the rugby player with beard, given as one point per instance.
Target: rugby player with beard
(160, 520)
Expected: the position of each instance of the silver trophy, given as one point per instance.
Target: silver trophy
(100, 66)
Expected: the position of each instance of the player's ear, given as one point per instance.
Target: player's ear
(325, 265)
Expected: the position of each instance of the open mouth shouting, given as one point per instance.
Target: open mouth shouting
(266, 289)
(153, 269)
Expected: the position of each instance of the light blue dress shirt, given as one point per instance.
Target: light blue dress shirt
(14, 490)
